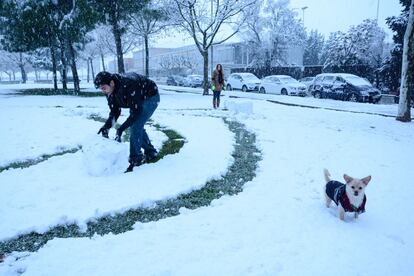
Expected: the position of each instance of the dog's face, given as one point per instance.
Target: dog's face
(356, 187)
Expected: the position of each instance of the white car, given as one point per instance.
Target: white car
(243, 81)
(282, 84)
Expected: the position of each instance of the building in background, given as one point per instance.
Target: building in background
(188, 60)
(129, 64)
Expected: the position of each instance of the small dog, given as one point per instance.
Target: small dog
(349, 197)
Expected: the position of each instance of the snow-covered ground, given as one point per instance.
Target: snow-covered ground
(278, 225)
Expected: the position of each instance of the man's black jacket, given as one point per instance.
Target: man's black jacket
(131, 89)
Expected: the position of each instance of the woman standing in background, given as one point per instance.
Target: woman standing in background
(218, 84)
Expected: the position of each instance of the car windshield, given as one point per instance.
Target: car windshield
(250, 77)
(288, 80)
(357, 81)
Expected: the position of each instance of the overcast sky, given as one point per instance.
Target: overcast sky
(338, 15)
(326, 16)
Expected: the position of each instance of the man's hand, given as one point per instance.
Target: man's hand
(104, 132)
(118, 136)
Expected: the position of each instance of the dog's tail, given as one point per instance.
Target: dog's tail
(327, 175)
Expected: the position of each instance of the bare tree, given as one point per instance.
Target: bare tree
(189, 62)
(149, 21)
(129, 43)
(11, 61)
(407, 76)
(203, 19)
(89, 52)
(8, 65)
(100, 35)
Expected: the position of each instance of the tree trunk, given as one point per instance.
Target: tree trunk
(407, 69)
(92, 70)
(64, 64)
(87, 70)
(205, 70)
(103, 62)
(22, 71)
(118, 43)
(146, 56)
(54, 66)
(74, 69)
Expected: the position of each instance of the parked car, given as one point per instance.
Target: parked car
(195, 80)
(307, 81)
(243, 81)
(282, 84)
(176, 80)
(346, 87)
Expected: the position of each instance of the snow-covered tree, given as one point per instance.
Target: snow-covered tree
(32, 24)
(361, 45)
(75, 18)
(271, 28)
(407, 70)
(202, 20)
(41, 59)
(313, 48)
(369, 39)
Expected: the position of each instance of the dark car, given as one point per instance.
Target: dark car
(175, 80)
(345, 87)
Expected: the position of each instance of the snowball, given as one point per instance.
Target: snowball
(239, 107)
(103, 157)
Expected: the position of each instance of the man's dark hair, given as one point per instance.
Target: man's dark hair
(103, 78)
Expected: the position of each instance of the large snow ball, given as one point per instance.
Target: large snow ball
(239, 107)
(102, 157)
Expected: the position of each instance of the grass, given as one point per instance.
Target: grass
(32, 162)
(245, 155)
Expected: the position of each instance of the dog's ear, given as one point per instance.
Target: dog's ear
(347, 178)
(366, 180)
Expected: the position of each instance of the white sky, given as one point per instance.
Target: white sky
(326, 16)
(338, 15)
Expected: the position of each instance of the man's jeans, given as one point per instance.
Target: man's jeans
(139, 137)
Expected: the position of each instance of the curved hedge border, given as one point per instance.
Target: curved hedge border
(246, 157)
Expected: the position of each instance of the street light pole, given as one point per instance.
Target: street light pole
(378, 2)
(303, 14)
(211, 51)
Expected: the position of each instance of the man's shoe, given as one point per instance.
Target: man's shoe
(149, 158)
(132, 165)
